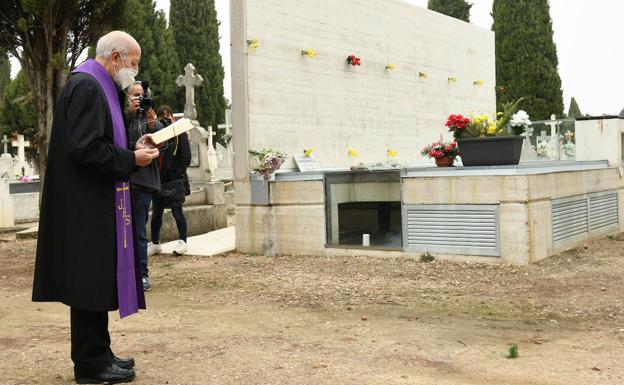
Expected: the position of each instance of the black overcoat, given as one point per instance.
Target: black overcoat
(76, 257)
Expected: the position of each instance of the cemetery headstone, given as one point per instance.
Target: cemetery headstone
(5, 142)
(198, 171)
(212, 156)
(554, 137)
(6, 161)
(225, 154)
(7, 219)
(189, 81)
(528, 151)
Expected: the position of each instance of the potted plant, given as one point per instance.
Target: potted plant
(443, 152)
(484, 141)
(268, 161)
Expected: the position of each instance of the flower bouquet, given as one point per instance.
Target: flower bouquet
(269, 161)
(443, 152)
(519, 122)
(475, 126)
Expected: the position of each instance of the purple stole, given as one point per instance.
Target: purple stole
(127, 290)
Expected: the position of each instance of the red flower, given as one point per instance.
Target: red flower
(354, 60)
(457, 122)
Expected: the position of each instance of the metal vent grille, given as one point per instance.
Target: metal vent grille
(453, 229)
(569, 220)
(603, 211)
(576, 218)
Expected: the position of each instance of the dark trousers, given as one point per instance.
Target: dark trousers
(90, 342)
(157, 216)
(141, 200)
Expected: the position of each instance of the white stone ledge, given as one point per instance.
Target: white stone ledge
(521, 169)
(537, 168)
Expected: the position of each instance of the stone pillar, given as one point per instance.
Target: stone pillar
(7, 219)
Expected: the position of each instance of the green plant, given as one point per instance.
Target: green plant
(426, 257)
(509, 109)
(512, 352)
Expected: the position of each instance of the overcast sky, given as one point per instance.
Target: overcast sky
(587, 34)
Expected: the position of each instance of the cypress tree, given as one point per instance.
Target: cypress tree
(5, 72)
(17, 109)
(526, 57)
(159, 60)
(459, 9)
(196, 33)
(574, 111)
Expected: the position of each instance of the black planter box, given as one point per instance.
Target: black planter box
(490, 151)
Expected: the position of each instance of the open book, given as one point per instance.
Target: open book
(173, 130)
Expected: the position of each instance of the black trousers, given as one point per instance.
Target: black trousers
(90, 342)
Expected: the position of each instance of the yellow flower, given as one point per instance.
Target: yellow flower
(392, 153)
(353, 152)
(478, 83)
(452, 79)
(308, 152)
(309, 52)
(390, 67)
(491, 130)
(253, 44)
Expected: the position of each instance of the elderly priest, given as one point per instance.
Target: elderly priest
(86, 253)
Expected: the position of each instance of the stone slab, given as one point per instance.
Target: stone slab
(209, 244)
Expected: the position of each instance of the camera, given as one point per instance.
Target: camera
(145, 102)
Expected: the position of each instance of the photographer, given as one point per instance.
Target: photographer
(144, 181)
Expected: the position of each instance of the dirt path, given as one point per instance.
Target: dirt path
(237, 319)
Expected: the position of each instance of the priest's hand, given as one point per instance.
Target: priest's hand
(144, 156)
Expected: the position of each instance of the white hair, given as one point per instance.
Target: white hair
(114, 41)
(149, 89)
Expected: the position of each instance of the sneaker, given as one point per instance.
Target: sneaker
(146, 284)
(180, 248)
(153, 248)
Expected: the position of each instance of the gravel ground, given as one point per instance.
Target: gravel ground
(239, 319)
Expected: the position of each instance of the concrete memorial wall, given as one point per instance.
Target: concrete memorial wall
(417, 67)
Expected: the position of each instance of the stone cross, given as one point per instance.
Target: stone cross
(227, 127)
(5, 141)
(554, 136)
(189, 80)
(21, 144)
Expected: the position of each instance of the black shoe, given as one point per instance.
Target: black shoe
(111, 375)
(124, 363)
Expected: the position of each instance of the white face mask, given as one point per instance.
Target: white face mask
(125, 77)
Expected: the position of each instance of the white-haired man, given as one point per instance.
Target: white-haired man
(86, 250)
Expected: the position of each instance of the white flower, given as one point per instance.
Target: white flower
(520, 119)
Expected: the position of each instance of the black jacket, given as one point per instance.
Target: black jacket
(76, 257)
(175, 159)
(146, 178)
